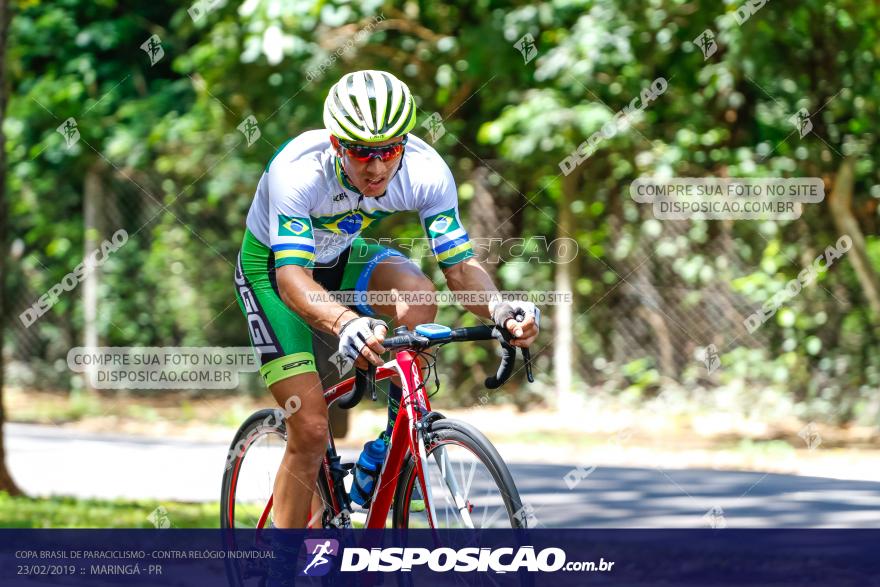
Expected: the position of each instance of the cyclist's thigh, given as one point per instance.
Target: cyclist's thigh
(377, 269)
(282, 339)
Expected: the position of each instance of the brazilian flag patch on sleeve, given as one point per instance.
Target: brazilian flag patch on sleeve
(294, 226)
(449, 240)
(294, 244)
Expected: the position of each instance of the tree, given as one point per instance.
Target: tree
(6, 481)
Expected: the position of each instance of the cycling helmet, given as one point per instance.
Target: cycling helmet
(369, 106)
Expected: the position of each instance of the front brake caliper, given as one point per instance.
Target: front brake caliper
(425, 425)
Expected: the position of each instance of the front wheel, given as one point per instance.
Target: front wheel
(468, 484)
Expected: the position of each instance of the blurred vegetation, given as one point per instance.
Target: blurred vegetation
(67, 512)
(179, 177)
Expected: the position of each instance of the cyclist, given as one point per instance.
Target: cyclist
(316, 195)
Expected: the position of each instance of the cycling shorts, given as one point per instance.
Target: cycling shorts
(282, 339)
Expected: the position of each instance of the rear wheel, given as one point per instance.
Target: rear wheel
(249, 478)
(252, 463)
(469, 485)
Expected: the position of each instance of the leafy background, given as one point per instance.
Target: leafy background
(161, 156)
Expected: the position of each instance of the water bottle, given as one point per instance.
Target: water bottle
(366, 470)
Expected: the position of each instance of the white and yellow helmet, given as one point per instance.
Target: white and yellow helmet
(369, 106)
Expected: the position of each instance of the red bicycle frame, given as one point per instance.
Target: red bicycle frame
(404, 437)
(409, 437)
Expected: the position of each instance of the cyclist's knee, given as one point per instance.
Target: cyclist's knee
(307, 436)
(423, 308)
(302, 400)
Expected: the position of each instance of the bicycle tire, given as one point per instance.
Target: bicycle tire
(248, 433)
(443, 431)
(251, 426)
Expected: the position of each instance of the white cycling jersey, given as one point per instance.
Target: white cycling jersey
(306, 211)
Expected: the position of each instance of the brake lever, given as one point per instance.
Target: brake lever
(527, 359)
(371, 381)
(527, 355)
(506, 338)
(508, 359)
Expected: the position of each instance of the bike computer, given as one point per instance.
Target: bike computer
(433, 331)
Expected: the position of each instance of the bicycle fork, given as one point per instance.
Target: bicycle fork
(461, 504)
(422, 471)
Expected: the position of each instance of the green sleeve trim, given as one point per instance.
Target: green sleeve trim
(281, 148)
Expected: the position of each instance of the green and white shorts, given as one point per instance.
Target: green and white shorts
(283, 340)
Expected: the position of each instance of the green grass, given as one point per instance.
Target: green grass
(778, 449)
(70, 408)
(68, 512)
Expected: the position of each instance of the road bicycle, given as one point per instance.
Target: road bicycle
(460, 476)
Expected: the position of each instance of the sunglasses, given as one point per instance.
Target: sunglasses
(364, 153)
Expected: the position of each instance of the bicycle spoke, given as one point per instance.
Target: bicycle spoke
(461, 490)
(429, 498)
(447, 473)
(470, 479)
(495, 514)
(254, 478)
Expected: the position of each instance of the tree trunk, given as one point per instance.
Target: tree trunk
(489, 222)
(6, 481)
(93, 203)
(840, 204)
(563, 324)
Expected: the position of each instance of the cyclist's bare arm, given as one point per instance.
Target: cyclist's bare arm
(298, 290)
(469, 275)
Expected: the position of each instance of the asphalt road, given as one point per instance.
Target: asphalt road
(47, 460)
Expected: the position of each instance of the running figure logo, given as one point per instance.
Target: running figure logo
(526, 45)
(801, 121)
(153, 48)
(342, 363)
(319, 551)
(69, 131)
(249, 129)
(706, 43)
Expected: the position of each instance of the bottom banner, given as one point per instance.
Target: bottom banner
(723, 557)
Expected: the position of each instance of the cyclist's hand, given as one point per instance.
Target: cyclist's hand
(520, 319)
(361, 339)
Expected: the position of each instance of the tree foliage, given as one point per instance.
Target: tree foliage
(179, 176)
